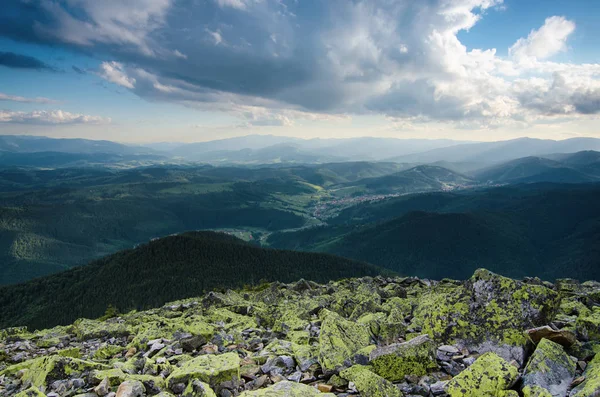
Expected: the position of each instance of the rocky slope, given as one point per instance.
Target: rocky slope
(371, 337)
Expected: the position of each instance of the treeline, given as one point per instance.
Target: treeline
(167, 269)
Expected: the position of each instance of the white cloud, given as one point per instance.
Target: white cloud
(239, 4)
(545, 42)
(215, 36)
(15, 98)
(49, 117)
(114, 72)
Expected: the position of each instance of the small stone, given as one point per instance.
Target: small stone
(438, 388)
(565, 338)
(323, 388)
(103, 388)
(131, 388)
(446, 352)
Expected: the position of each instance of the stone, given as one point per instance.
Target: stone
(287, 389)
(489, 376)
(131, 388)
(212, 369)
(103, 388)
(563, 337)
(446, 352)
(550, 368)
(370, 384)
(394, 362)
(197, 388)
(590, 387)
(340, 339)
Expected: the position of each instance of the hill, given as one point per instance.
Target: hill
(421, 178)
(163, 270)
(535, 169)
(30, 144)
(548, 230)
(485, 335)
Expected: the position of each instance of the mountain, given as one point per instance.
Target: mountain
(163, 270)
(422, 178)
(28, 144)
(71, 160)
(269, 148)
(544, 229)
(496, 152)
(533, 169)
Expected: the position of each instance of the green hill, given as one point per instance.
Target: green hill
(163, 270)
(551, 231)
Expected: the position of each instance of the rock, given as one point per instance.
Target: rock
(192, 343)
(563, 337)
(212, 369)
(131, 388)
(446, 352)
(31, 392)
(323, 388)
(370, 384)
(589, 326)
(340, 339)
(536, 391)
(103, 388)
(486, 313)
(438, 387)
(550, 368)
(287, 389)
(394, 362)
(490, 375)
(197, 388)
(590, 387)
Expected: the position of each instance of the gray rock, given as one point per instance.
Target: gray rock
(550, 368)
(131, 388)
(446, 352)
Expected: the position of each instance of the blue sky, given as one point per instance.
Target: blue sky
(192, 70)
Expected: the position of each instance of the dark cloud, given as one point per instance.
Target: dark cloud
(18, 61)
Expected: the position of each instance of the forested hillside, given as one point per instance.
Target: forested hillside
(167, 269)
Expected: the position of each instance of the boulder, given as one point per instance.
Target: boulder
(563, 337)
(340, 339)
(489, 376)
(487, 313)
(394, 362)
(212, 369)
(550, 368)
(131, 388)
(370, 384)
(197, 388)
(287, 389)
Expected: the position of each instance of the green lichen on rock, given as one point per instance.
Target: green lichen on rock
(489, 376)
(340, 339)
(39, 372)
(589, 325)
(550, 368)
(368, 383)
(394, 362)
(486, 313)
(90, 329)
(31, 392)
(212, 369)
(286, 389)
(198, 388)
(591, 385)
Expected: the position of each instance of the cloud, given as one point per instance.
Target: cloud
(545, 42)
(274, 62)
(113, 72)
(14, 98)
(18, 61)
(52, 117)
(78, 70)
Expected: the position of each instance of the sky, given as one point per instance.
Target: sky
(197, 70)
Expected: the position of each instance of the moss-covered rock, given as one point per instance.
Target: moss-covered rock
(212, 369)
(487, 313)
(31, 392)
(340, 339)
(591, 385)
(39, 372)
(196, 388)
(90, 329)
(287, 389)
(368, 383)
(489, 376)
(394, 362)
(588, 326)
(550, 368)
(536, 391)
